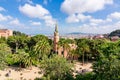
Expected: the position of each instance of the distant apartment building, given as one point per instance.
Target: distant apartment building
(5, 33)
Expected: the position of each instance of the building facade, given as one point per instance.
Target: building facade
(5, 33)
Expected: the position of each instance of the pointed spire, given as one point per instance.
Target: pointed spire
(56, 28)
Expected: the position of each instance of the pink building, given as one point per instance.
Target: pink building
(5, 33)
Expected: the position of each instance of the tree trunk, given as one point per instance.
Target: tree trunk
(16, 49)
(87, 57)
(65, 53)
(59, 52)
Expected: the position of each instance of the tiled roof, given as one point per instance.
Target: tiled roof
(3, 30)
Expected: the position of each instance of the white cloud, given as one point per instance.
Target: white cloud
(97, 21)
(72, 19)
(37, 11)
(35, 23)
(82, 6)
(76, 9)
(107, 25)
(77, 18)
(4, 18)
(98, 29)
(2, 9)
(16, 22)
(115, 15)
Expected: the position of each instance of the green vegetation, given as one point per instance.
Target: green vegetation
(56, 68)
(4, 51)
(23, 51)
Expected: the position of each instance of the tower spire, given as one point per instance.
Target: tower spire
(56, 28)
(56, 38)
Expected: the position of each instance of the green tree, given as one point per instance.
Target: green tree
(86, 76)
(56, 68)
(23, 59)
(3, 40)
(95, 46)
(4, 51)
(107, 66)
(18, 42)
(36, 39)
(17, 33)
(41, 49)
(64, 43)
(83, 48)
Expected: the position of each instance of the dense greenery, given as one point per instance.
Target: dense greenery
(17, 33)
(56, 68)
(107, 67)
(4, 51)
(23, 51)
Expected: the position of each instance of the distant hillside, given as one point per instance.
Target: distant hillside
(115, 33)
(79, 33)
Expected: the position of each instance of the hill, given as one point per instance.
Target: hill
(115, 33)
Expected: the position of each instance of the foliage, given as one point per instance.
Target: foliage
(17, 42)
(56, 68)
(36, 39)
(107, 67)
(21, 58)
(86, 76)
(41, 49)
(95, 46)
(3, 40)
(83, 48)
(4, 51)
(17, 33)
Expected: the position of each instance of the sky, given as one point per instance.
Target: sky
(40, 16)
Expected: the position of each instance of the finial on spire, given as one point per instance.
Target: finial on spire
(56, 28)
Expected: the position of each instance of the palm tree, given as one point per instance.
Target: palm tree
(66, 48)
(23, 59)
(42, 48)
(17, 42)
(64, 43)
(82, 48)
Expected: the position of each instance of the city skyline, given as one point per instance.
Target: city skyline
(40, 16)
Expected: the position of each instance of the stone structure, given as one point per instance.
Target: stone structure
(56, 39)
(60, 49)
(5, 33)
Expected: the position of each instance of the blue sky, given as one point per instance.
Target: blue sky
(40, 16)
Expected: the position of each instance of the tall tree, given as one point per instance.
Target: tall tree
(83, 48)
(35, 39)
(17, 42)
(64, 43)
(42, 48)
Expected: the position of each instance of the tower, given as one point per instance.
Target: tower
(56, 38)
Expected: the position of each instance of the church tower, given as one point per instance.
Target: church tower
(56, 38)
